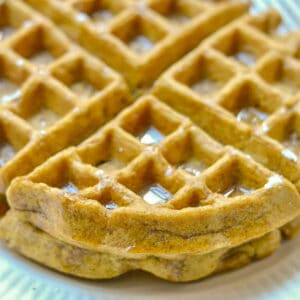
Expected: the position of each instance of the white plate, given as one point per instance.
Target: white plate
(276, 277)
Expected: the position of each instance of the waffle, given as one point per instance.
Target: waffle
(53, 94)
(246, 93)
(139, 38)
(191, 179)
(134, 184)
(35, 244)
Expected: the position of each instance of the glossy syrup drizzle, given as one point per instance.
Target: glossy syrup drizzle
(110, 165)
(111, 205)
(102, 16)
(251, 115)
(151, 136)
(206, 87)
(83, 89)
(9, 92)
(237, 190)
(193, 166)
(42, 58)
(155, 194)
(140, 44)
(7, 152)
(70, 187)
(5, 32)
(43, 119)
(245, 58)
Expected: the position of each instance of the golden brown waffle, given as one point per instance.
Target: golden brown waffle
(243, 79)
(58, 255)
(245, 94)
(172, 189)
(117, 192)
(139, 38)
(52, 93)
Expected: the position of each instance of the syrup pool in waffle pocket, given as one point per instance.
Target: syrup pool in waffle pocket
(152, 135)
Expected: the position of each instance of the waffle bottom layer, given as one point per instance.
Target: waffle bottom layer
(43, 248)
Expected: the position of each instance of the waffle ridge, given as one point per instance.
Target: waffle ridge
(137, 38)
(41, 106)
(112, 164)
(269, 79)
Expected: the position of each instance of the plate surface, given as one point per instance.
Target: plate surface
(276, 277)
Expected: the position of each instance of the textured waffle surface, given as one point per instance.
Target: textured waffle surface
(136, 37)
(52, 93)
(96, 264)
(194, 177)
(118, 188)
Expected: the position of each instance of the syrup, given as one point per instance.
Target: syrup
(206, 87)
(193, 166)
(9, 92)
(111, 205)
(70, 187)
(43, 119)
(245, 58)
(251, 115)
(7, 152)
(42, 58)
(237, 190)
(6, 32)
(83, 89)
(111, 165)
(155, 194)
(151, 136)
(140, 44)
(102, 16)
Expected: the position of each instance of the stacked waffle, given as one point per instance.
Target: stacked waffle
(197, 175)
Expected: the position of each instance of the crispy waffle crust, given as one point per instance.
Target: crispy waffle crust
(53, 94)
(193, 178)
(109, 207)
(69, 259)
(170, 29)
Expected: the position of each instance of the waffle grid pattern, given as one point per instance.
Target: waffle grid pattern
(251, 96)
(53, 94)
(125, 170)
(139, 38)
